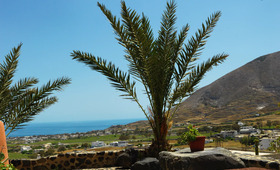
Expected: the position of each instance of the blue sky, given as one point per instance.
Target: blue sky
(50, 30)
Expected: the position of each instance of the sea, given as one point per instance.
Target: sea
(52, 128)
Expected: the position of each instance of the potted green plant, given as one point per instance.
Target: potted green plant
(194, 139)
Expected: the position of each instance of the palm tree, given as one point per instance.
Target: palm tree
(19, 103)
(164, 65)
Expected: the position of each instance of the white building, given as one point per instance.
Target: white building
(108, 132)
(64, 137)
(119, 144)
(97, 144)
(265, 143)
(25, 148)
(229, 133)
(276, 133)
(240, 123)
(114, 144)
(248, 130)
(122, 143)
(47, 145)
(38, 150)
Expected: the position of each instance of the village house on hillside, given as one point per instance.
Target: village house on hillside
(25, 148)
(249, 130)
(97, 144)
(229, 133)
(240, 123)
(119, 144)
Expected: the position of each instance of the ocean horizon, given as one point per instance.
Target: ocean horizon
(52, 128)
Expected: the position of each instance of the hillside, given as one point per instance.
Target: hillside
(249, 90)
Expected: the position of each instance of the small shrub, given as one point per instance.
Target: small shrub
(85, 145)
(49, 152)
(27, 152)
(124, 137)
(33, 156)
(61, 149)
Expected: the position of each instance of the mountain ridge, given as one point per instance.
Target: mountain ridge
(250, 89)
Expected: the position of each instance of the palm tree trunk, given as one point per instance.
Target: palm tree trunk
(159, 142)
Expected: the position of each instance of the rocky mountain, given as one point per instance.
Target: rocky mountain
(249, 90)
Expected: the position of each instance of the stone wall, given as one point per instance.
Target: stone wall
(70, 161)
(108, 159)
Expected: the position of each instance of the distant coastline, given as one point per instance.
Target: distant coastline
(53, 128)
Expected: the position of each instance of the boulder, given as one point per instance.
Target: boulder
(124, 160)
(133, 154)
(129, 157)
(210, 159)
(146, 164)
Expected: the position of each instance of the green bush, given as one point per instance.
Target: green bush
(61, 149)
(247, 141)
(124, 137)
(33, 156)
(85, 145)
(27, 152)
(49, 152)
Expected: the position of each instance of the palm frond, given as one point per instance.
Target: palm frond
(161, 64)
(188, 86)
(50, 86)
(22, 85)
(181, 39)
(148, 34)
(195, 45)
(119, 80)
(199, 72)
(136, 54)
(190, 54)
(8, 68)
(26, 110)
(130, 34)
(116, 24)
(172, 72)
(167, 33)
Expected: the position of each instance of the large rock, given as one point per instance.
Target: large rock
(128, 158)
(146, 164)
(133, 154)
(210, 159)
(124, 160)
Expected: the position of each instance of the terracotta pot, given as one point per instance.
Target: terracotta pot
(3, 143)
(198, 144)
